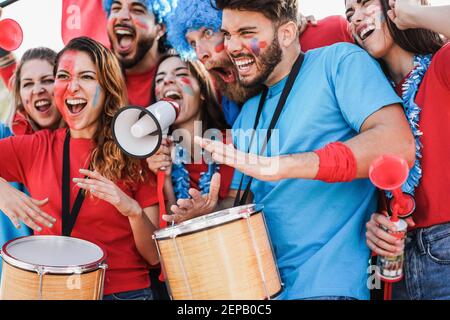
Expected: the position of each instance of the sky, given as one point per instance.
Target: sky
(41, 19)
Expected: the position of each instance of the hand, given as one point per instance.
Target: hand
(199, 205)
(162, 159)
(108, 191)
(382, 242)
(18, 206)
(304, 21)
(402, 11)
(259, 167)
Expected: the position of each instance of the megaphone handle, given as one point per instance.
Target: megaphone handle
(161, 177)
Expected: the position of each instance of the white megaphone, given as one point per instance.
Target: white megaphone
(139, 131)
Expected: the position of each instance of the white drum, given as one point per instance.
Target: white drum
(52, 268)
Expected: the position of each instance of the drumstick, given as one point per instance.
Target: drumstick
(6, 3)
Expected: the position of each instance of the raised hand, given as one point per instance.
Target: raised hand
(259, 167)
(108, 191)
(199, 205)
(20, 207)
(402, 11)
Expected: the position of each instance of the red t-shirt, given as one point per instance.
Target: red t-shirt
(36, 161)
(6, 74)
(226, 176)
(21, 125)
(139, 88)
(331, 30)
(434, 99)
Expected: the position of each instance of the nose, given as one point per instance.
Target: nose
(74, 85)
(202, 52)
(38, 88)
(358, 16)
(233, 46)
(169, 79)
(123, 14)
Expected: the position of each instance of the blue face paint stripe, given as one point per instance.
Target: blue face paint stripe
(97, 95)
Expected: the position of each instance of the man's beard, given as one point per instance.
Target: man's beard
(143, 47)
(234, 91)
(268, 61)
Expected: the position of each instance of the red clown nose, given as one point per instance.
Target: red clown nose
(11, 35)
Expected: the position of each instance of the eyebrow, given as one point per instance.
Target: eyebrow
(44, 76)
(177, 69)
(138, 4)
(242, 29)
(351, 9)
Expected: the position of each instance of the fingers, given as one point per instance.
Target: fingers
(186, 204)
(94, 175)
(196, 196)
(214, 188)
(381, 220)
(312, 20)
(378, 250)
(35, 204)
(177, 210)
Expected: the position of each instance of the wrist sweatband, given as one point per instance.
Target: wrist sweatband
(337, 163)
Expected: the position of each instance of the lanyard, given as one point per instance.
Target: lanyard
(69, 217)
(276, 115)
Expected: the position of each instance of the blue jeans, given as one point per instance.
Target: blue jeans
(143, 294)
(427, 265)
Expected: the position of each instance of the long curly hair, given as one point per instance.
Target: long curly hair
(107, 158)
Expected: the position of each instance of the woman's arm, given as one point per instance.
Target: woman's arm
(140, 219)
(409, 14)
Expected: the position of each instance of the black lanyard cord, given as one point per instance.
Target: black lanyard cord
(276, 115)
(69, 217)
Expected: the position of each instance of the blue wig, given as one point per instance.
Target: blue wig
(160, 8)
(190, 15)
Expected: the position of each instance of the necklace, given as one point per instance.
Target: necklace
(412, 111)
(180, 175)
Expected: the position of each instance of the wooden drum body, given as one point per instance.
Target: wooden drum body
(52, 268)
(226, 255)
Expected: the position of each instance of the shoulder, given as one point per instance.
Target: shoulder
(442, 57)
(334, 55)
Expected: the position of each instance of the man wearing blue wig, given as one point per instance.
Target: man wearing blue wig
(137, 34)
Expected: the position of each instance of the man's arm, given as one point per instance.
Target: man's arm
(384, 132)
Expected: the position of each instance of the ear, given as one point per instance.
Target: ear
(287, 34)
(161, 31)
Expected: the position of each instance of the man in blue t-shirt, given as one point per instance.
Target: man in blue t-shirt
(340, 115)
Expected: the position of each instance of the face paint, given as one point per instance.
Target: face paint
(97, 95)
(141, 24)
(376, 15)
(61, 88)
(256, 46)
(187, 86)
(220, 47)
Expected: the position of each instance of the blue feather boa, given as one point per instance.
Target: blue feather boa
(180, 175)
(412, 111)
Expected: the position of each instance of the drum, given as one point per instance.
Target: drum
(52, 268)
(226, 255)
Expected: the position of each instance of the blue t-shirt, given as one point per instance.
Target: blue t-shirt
(230, 110)
(7, 229)
(318, 229)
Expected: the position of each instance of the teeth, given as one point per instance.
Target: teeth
(172, 94)
(365, 31)
(124, 32)
(76, 101)
(242, 63)
(42, 103)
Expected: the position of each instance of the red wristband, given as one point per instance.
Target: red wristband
(337, 163)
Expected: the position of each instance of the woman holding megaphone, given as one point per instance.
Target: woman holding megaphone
(114, 195)
(405, 36)
(194, 185)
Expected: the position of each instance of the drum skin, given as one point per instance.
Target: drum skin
(18, 284)
(225, 262)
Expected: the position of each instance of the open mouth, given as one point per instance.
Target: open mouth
(75, 106)
(244, 64)
(226, 74)
(43, 105)
(125, 38)
(173, 95)
(366, 32)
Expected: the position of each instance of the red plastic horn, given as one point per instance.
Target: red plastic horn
(11, 35)
(390, 173)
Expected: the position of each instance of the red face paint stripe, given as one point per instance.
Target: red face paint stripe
(220, 47)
